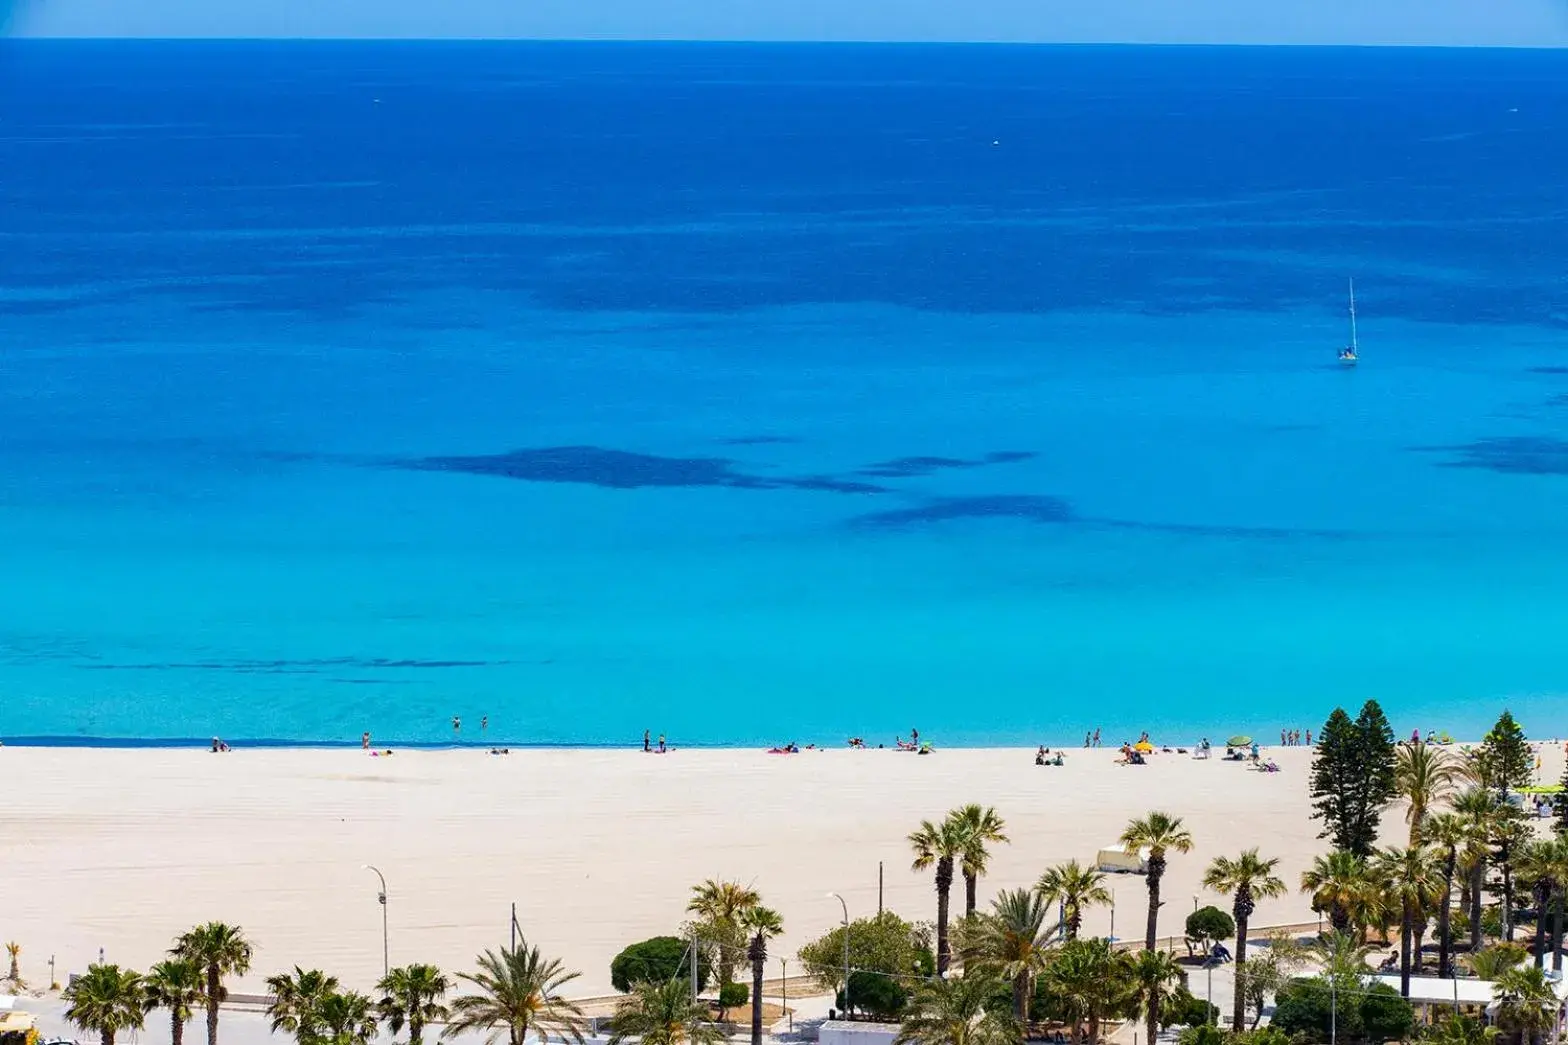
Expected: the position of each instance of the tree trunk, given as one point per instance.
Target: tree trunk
(1239, 1009)
(971, 883)
(1445, 947)
(757, 961)
(176, 1028)
(1404, 950)
(944, 888)
(1156, 872)
(214, 994)
(416, 1029)
(1557, 930)
(1476, 874)
(1418, 941)
(1508, 895)
(1540, 928)
(1020, 1001)
(107, 1036)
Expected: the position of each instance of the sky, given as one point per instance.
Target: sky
(1399, 22)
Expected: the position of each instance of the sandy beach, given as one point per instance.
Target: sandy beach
(120, 849)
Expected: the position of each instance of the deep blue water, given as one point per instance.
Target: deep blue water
(753, 393)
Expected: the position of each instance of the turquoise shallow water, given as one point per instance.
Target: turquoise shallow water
(858, 434)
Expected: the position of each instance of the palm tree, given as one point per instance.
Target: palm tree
(1511, 835)
(1089, 979)
(939, 846)
(1478, 808)
(1012, 943)
(296, 1001)
(718, 907)
(1459, 1030)
(1159, 833)
(761, 925)
(1449, 834)
(346, 1018)
(663, 1014)
(412, 996)
(1158, 980)
(1340, 955)
(1076, 888)
(1536, 867)
(13, 950)
(1338, 882)
(1489, 963)
(179, 986)
(518, 989)
(1526, 1001)
(1559, 859)
(1249, 878)
(107, 999)
(221, 950)
(1413, 884)
(956, 1012)
(1424, 777)
(978, 825)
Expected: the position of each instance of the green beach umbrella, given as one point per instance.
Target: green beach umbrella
(1238, 741)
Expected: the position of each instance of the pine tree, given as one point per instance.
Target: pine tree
(1504, 760)
(1353, 777)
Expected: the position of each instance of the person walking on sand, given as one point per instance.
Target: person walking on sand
(1086, 738)
(1096, 738)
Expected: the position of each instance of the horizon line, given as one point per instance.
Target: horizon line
(794, 42)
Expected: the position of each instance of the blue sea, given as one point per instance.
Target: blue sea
(766, 393)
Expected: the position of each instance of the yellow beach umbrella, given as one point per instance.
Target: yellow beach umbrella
(1144, 746)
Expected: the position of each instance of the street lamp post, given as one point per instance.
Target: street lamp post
(1212, 1014)
(381, 897)
(784, 990)
(1113, 916)
(845, 906)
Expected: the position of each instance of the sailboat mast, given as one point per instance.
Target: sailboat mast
(1353, 346)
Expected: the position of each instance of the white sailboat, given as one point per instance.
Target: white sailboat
(1349, 355)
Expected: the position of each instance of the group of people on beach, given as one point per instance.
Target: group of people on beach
(1292, 737)
(647, 744)
(899, 743)
(1091, 739)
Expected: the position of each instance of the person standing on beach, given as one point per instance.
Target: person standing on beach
(364, 740)
(661, 743)
(645, 746)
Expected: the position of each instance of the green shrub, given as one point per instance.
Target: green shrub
(1385, 1016)
(733, 996)
(1261, 1036)
(656, 960)
(1190, 1010)
(882, 943)
(1209, 924)
(1303, 1007)
(1202, 1034)
(875, 994)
